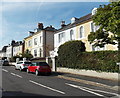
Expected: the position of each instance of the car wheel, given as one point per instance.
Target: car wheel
(36, 72)
(28, 71)
(20, 69)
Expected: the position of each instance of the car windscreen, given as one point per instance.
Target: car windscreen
(27, 62)
(41, 64)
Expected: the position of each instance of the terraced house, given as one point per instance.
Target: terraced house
(40, 42)
(78, 29)
(18, 48)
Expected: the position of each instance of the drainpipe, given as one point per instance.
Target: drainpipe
(45, 43)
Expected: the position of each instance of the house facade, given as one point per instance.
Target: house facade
(78, 29)
(18, 48)
(13, 49)
(41, 41)
(3, 52)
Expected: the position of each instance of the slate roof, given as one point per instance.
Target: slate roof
(78, 21)
(4, 49)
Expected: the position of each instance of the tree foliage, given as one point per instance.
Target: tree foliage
(107, 18)
(27, 54)
(68, 52)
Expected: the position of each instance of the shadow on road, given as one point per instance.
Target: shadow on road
(20, 94)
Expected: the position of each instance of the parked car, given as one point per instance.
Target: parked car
(39, 68)
(22, 65)
(4, 62)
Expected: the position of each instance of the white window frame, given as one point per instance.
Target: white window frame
(81, 33)
(35, 41)
(61, 37)
(35, 53)
(72, 34)
(40, 39)
(29, 43)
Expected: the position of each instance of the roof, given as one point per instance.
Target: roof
(78, 21)
(18, 43)
(4, 49)
(49, 28)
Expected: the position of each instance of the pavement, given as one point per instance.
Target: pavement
(106, 83)
(59, 84)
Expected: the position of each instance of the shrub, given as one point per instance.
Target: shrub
(69, 57)
(69, 53)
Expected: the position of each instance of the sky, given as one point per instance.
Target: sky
(18, 18)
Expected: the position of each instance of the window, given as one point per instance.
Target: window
(40, 52)
(19, 48)
(40, 39)
(29, 43)
(81, 31)
(35, 53)
(61, 37)
(71, 35)
(92, 27)
(35, 41)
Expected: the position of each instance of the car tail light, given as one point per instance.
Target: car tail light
(23, 64)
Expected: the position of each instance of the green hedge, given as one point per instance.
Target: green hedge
(97, 60)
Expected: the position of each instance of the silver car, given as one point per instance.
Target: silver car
(4, 62)
(22, 65)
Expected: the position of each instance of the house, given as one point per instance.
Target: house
(3, 52)
(18, 48)
(41, 41)
(9, 50)
(13, 49)
(78, 29)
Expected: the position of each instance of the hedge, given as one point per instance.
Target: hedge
(97, 60)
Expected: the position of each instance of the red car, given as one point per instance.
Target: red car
(39, 68)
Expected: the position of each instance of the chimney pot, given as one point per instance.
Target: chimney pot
(63, 24)
(40, 25)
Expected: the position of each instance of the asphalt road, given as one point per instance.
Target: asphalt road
(16, 83)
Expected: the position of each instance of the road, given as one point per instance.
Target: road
(16, 83)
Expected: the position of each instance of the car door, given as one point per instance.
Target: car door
(31, 67)
(34, 67)
(19, 64)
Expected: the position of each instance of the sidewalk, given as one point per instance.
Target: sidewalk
(96, 81)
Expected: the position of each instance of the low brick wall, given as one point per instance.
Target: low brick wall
(104, 75)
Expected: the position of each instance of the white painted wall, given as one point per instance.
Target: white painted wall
(9, 51)
(66, 38)
(17, 50)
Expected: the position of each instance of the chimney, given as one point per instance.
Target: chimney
(94, 11)
(73, 19)
(40, 25)
(62, 24)
(12, 42)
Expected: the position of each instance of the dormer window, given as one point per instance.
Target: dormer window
(73, 20)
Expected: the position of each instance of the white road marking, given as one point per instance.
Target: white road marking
(19, 76)
(16, 75)
(102, 91)
(4, 70)
(47, 87)
(79, 87)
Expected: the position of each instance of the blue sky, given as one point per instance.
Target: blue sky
(20, 17)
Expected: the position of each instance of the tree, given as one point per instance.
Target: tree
(107, 18)
(27, 54)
